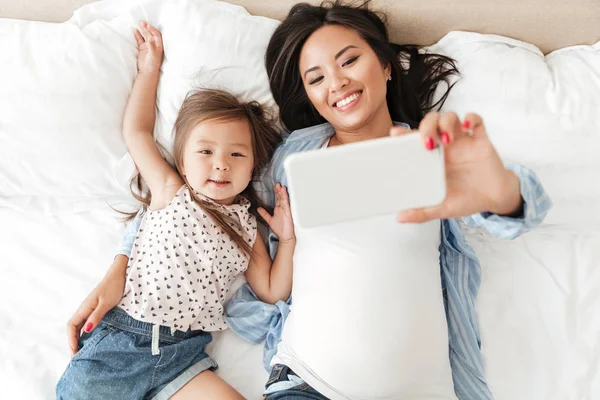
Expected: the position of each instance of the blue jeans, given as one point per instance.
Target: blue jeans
(115, 361)
(282, 374)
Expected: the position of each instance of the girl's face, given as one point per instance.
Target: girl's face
(218, 159)
(344, 78)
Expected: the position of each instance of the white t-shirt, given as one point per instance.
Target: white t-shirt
(367, 319)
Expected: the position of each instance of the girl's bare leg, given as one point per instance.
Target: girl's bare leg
(207, 386)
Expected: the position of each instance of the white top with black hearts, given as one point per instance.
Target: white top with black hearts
(182, 264)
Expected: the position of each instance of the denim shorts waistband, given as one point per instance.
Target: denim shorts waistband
(119, 319)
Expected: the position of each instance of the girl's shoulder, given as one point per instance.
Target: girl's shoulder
(181, 193)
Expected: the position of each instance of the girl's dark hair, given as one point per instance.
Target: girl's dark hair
(210, 105)
(415, 76)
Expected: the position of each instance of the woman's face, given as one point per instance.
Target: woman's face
(343, 77)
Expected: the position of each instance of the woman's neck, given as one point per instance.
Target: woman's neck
(378, 127)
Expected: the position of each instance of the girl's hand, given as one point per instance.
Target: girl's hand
(281, 222)
(102, 299)
(476, 180)
(150, 48)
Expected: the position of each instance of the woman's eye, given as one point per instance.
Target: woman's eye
(205, 152)
(319, 79)
(350, 61)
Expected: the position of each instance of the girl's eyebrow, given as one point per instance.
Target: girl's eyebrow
(338, 55)
(231, 144)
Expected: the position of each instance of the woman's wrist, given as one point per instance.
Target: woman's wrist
(510, 202)
(118, 267)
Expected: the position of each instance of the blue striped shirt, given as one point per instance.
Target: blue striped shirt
(460, 270)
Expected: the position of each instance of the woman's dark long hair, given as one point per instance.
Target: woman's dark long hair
(415, 76)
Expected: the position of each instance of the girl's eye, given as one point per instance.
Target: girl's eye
(350, 61)
(319, 79)
(238, 155)
(205, 152)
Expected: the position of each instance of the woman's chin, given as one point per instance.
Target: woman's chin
(350, 122)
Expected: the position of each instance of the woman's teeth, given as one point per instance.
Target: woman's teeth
(348, 100)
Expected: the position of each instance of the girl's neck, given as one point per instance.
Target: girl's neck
(379, 126)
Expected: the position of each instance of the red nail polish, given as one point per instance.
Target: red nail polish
(88, 327)
(466, 124)
(429, 143)
(445, 138)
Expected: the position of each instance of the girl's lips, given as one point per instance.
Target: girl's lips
(219, 183)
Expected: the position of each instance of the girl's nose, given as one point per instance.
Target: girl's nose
(221, 165)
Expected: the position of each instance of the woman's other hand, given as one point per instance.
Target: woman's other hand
(102, 299)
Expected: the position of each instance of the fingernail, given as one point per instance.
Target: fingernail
(88, 327)
(445, 138)
(466, 124)
(429, 143)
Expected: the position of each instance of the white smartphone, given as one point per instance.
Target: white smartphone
(364, 179)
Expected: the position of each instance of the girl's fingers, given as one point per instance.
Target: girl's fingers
(142, 30)
(285, 200)
(284, 193)
(428, 129)
(155, 33)
(138, 36)
(264, 214)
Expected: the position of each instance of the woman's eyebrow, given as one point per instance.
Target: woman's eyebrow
(342, 51)
(338, 55)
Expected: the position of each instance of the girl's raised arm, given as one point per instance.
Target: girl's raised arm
(138, 123)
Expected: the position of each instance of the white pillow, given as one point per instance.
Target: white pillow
(63, 94)
(539, 111)
(65, 87)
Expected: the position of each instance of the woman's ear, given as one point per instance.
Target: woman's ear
(388, 70)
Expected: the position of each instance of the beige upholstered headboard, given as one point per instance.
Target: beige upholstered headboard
(549, 24)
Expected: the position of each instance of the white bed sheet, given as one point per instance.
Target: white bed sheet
(538, 309)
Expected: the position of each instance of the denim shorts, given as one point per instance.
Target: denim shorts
(284, 384)
(115, 361)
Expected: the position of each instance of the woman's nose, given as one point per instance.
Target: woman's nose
(338, 82)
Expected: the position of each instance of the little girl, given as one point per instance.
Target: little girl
(197, 235)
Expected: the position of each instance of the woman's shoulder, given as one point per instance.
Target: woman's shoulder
(310, 138)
